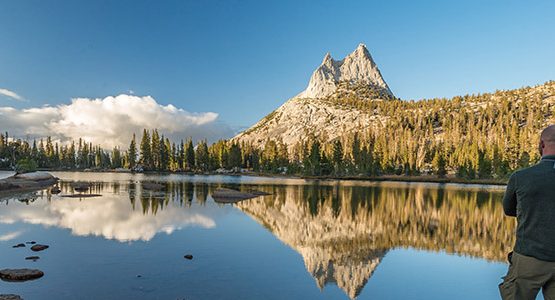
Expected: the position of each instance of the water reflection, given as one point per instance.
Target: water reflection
(124, 212)
(343, 232)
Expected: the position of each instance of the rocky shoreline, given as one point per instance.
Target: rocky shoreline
(26, 182)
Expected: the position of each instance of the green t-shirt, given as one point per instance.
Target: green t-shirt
(530, 196)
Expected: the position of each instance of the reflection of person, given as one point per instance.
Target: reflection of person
(530, 197)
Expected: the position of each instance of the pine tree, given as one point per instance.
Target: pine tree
(189, 156)
(202, 157)
(116, 158)
(132, 153)
(355, 151)
(165, 150)
(235, 156)
(155, 149)
(337, 157)
(439, 163)
(146, 158)
(314, 159)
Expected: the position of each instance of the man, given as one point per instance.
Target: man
(530, 197)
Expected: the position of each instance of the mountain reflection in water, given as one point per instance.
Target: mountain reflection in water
(342, 230)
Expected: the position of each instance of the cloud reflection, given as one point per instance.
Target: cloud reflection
(111, 216)
(10, 236)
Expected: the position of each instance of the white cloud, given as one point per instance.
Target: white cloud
(111, 121)
(11, 94)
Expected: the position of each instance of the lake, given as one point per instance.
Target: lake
(307, 240)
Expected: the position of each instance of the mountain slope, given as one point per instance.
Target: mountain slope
(474, 136)
(298, 119)
(314, 112)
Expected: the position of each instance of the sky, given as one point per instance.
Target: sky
(217, 67)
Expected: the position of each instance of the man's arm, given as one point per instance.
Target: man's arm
(509, 200)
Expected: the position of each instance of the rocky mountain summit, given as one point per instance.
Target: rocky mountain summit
(313, 112)
(357, 68)
(350, 96)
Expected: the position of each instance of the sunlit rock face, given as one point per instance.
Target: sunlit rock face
(310, 113)
(356, 68)
(298, 119)
(121, 213)
(343, 233)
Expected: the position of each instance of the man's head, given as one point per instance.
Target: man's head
(547, 141)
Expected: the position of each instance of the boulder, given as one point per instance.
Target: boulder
(10, 297)
(18, 246)
(20, 274)
(34, 176)
(27, 182)
(39, 247)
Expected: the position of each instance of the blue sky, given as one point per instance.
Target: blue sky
(242, 59)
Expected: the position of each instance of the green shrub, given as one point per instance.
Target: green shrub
(26, 165)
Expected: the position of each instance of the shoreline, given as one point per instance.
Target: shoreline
(16, 184)
(395, 178)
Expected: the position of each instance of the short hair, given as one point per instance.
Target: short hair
(548, 134)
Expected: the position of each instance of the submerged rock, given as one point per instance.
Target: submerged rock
(224, 195)
(10, 297)
(18, 246)
(33, 258)
(39, 247)
(81, 196)
(31, 242)
(80, 186)
(20, 274)
(259, 193)
(152, 186)
(188, 256)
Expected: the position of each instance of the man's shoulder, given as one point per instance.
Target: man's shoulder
(527, 170)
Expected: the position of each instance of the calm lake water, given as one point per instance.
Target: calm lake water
(307, 240)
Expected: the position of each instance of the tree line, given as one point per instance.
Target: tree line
(472, 136)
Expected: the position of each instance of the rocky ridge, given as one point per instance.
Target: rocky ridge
(348, 96)
(312, 113)
(356, 68)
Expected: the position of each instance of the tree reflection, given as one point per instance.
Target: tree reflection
(343, 232)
